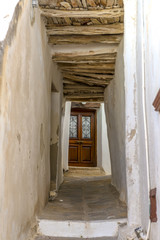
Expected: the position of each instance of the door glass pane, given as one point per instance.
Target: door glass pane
(86, 127)
(73, 127)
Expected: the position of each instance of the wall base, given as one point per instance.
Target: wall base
(127, 233)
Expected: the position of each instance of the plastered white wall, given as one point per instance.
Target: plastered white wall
(152, 84)
(103, 154)
(26, 72)
(54, 141)
(115, 116)
(141, 54)
(142, 82)
(131, 113)
(6, 14)
(65, 135)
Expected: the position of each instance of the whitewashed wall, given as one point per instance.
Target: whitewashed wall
(115, 116)
(152, 85)
(142, 82)
(6, 14)
(103, 153)
(65, 135)
(26, 72)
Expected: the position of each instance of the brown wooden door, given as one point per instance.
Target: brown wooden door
(82, 146)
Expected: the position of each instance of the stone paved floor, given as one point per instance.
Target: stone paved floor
(85, 199)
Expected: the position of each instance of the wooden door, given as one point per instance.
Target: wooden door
(82, 138)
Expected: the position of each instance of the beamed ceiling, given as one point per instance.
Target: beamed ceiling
(85, 35)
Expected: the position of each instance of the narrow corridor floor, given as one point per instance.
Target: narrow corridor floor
(85, 199)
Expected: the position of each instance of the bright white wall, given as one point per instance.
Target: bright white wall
(65, 135)
(26, 72)
(142, 82)
(131, 113)
(115, 116)
(103, 154)
(152, 85)
(6, 14)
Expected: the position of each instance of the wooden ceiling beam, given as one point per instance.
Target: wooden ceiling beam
(81, 87)
(85, 70)
(99, 83)
(89, 81)
(92, 30)
(93, 75)
(95, 66)
(105, 13)
(85, 95)
(89, 92)
(98, 61)
(72, 99)
(99, 100)
(108, 55)
(78, 39)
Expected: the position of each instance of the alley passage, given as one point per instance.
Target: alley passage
(85, 198)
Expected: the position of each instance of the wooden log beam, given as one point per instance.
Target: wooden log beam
(83, 90)
(80, 80)
(67, 92)
(87, 66)
(89, 81)
(85, 57)
(92, 30)
(81, 87)
(85, 70)
(86, 95)
(105, 13)
(98, 61)
(72, 99)
(93, 75)
(78, 39)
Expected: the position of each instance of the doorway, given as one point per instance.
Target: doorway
(82, 138)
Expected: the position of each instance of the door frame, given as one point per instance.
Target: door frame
(95, 130)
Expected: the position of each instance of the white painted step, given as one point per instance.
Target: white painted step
(80, 229)
(59, 238)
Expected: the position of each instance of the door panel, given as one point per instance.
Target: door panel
(82, 146)
(86, 155)
(73, 153)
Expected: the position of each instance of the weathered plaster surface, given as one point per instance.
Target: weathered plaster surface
(115, 115)
(25, 93)
(142, 55)
(65, 135)
(103, 154)
(131, 115)
(152, 85)
(6, 13)
(56, 137)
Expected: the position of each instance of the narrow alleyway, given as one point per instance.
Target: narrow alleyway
(84, 199)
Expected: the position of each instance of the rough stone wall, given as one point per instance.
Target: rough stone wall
(26, 73)
(115, 116)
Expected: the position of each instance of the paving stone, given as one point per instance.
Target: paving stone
(85, 199)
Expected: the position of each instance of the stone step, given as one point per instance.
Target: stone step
(59, 238)
(85, 171)
(80, 229)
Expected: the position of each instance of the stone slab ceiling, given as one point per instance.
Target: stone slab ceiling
(85, 35)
